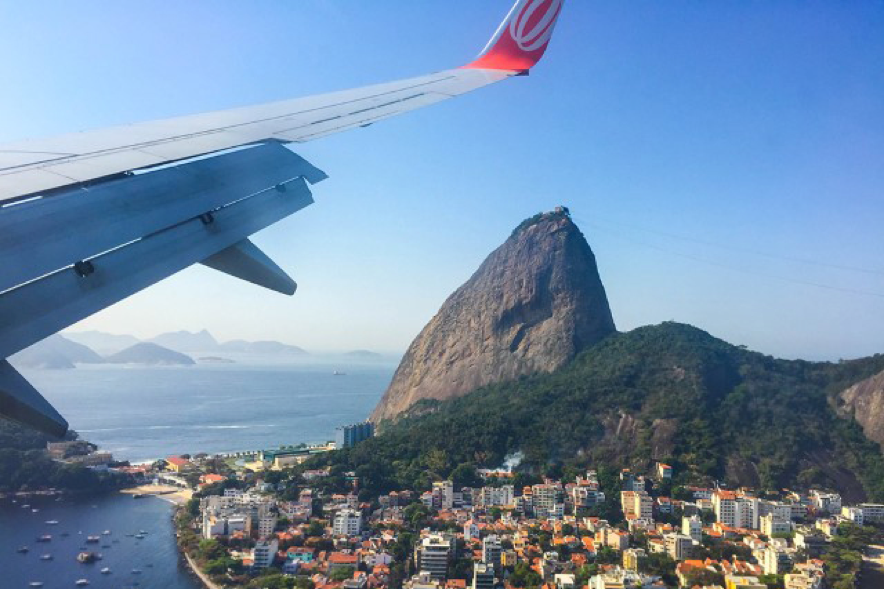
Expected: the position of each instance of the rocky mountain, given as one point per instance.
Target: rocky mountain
(532, 305)
(864, 402)
(668, 392)
(103, 343)
(55, 353)
(186, 341)
(150, 354)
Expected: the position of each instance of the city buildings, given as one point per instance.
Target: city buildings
(347, 522)
(432, 555)
(350, 435)
(264, 553)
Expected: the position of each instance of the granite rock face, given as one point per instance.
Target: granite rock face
(864, 401)
(532, 305)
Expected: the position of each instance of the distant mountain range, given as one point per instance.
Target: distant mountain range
(179, 348)
(103, 343)
(60, 353)
(186, 342)
(56, 353)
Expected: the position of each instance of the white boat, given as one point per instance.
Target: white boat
(46, 557)
(106, 533)
(136, 571)
(35, 510)
(35, 584)
(82, 582)
(52, 522)
(105, 571)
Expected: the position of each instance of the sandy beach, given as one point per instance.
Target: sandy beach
(175, 495)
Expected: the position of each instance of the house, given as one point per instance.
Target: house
(664, 471)
(177, 464)
(211, 479)
(340, 560)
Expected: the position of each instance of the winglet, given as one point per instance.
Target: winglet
(522, 38)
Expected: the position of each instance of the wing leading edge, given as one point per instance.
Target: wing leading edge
(36, 166)
(88, 219)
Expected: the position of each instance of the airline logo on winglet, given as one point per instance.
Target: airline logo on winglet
(522, 38)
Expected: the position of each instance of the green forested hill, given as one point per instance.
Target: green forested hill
(25, 466)
(669, 392)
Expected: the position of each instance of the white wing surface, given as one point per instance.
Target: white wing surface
(88, 219)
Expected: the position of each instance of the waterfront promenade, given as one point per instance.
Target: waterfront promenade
(206, 581)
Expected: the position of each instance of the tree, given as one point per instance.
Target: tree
(211, 550)
(703, 577)
(342, 574)
(315, 529)
(524, 576)
(607, 555)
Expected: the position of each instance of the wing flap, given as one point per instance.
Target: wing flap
(41, 236)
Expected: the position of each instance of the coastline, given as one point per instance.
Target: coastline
(206, 581)
(174, 495)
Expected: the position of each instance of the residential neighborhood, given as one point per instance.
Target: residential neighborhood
(272, 528)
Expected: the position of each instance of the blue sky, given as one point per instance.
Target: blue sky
(725, 160)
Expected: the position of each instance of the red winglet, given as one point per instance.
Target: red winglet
(522, 38)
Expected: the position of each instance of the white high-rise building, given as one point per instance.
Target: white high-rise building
(443, 494)
(491, 550)
(693, 527)
(264, 553)
(348, 522)
(266, 525)
(433, 554)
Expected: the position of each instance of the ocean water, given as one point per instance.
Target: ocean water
(155, 556)
(141, 414)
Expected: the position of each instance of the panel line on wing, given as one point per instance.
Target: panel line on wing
(134, 146)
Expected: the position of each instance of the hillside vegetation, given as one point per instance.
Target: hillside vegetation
(669, 392)
(24, 466)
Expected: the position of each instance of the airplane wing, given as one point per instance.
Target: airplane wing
(87, 219)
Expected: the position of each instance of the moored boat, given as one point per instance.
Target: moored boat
(81, 582)
(86, 557)
(46, 557)
(105, 571)
(22, 549)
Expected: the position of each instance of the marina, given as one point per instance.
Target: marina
(120, 560)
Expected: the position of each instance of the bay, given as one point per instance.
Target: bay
(145, 413)
(155, 556)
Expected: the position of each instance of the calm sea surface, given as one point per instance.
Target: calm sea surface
(142, 414)
(145, 413)
(155, 556)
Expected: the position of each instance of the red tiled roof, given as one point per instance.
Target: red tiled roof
(341, 558)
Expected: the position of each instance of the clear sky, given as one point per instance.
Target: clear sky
(724, 159)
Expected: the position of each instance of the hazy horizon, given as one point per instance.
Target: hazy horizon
(725, 161)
